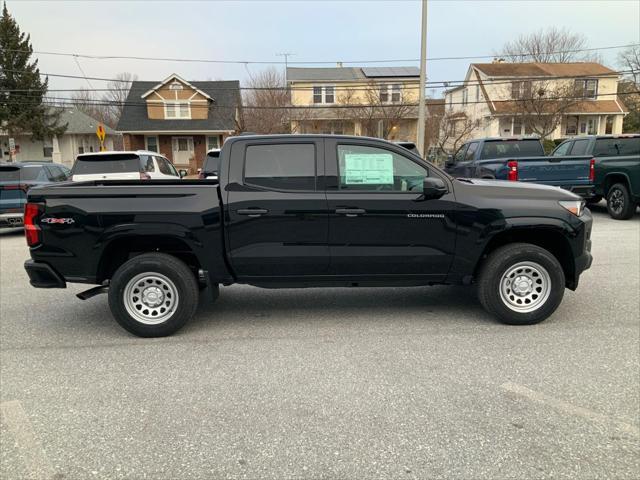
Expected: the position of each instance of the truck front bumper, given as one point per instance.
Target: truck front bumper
(42, 275)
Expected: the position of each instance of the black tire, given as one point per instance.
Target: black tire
(177, 297)
(619, 203)
(593, 200)
(513, 257)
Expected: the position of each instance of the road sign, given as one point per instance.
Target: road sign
(100, 132)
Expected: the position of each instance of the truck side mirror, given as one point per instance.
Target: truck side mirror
(183, 173)
(450, 161)
(433, 188)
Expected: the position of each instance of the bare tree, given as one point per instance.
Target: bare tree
(629, 87)
(87, 102)
(541, 107)
(116, 96)
(266, 105)
(376, 109)
(552, 45)
(455, 128)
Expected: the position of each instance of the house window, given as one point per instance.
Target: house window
(47, 149)
(608, 129)
(177, 110)
(213, 142)
(587, 88)
(390, 93)
(572, 125)
(520, 90)
(176, 86)
(465, 96)
(323, 94)
(517, 126)
(152, 144)
(591, 126)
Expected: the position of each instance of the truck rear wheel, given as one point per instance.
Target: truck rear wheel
(521, 284)
(619, 202)
(153, 295)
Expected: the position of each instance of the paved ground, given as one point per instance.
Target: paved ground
(360, 383)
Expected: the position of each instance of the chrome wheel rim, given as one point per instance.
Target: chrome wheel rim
(525, 287)
(150, 298)
(616, 201)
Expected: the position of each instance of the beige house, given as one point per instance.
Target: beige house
(79, 137)
(378, 101)
(180, 119)
(493, 94)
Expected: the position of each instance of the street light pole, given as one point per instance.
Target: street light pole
(423, 80)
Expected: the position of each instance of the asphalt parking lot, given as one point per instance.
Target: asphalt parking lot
(336, 383)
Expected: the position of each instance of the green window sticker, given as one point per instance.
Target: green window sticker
(368, 169)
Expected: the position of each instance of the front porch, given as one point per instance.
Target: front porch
(186, 151)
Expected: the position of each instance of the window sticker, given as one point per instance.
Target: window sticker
(368, 169)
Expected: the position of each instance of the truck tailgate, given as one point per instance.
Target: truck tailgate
(559, 171)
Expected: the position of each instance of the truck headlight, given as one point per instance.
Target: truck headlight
(574, 206)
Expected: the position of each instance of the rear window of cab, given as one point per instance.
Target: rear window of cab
(114, 163)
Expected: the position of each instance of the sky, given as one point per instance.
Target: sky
(329, 30)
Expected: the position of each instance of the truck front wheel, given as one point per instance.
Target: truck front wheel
(153, 295)
(521, 284)
(619, 202)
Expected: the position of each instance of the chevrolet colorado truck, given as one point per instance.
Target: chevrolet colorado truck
(306, 211)
(615, 169)
(522, 159)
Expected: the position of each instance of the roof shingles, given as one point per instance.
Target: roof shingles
(222, 112)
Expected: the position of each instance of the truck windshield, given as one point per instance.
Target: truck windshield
(511, 149)
(115, 163)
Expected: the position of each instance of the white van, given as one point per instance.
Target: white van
(138, 165)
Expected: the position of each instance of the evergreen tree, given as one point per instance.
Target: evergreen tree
(22, 91)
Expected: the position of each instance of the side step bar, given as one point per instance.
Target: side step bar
(92, 292)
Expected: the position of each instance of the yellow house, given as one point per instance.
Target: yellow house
(372, 101)
(498, 99)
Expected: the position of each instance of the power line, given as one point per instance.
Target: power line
(439, 84)
(63, 101)
(322, 62)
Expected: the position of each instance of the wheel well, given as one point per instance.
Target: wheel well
(613, 179)
(551, 240)
(122, 249)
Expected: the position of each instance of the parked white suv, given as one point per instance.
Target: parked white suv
(138, 165)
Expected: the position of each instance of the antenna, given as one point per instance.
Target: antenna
(286, 56)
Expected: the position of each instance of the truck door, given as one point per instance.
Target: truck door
(277, 217)
(379, 225)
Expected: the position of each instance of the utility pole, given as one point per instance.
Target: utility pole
(286, 56)
(423, 80)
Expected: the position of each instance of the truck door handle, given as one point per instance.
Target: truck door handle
(253, 212)
(350, 212)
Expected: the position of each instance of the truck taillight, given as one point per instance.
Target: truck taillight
(512, 174)
(592, 170)
(32, 232)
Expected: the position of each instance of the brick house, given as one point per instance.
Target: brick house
(179, 119)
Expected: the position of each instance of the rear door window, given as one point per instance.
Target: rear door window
(56, 174)
(288, 166)
(610, 147)
(113, 163)
(459, 156)
(580, 147)
(146, 164)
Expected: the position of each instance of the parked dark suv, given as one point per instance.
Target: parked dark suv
(16, 179)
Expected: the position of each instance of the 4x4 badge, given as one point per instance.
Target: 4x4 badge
(57, 220)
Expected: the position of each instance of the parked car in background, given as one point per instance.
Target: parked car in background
(139, 165)
(521, 159)
(16, 179)
(615, 169)
(211, 165)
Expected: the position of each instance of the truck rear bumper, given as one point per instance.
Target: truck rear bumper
(11, 220)
(585, 191)
(42, 275)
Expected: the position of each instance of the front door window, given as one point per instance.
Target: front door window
(182, 150)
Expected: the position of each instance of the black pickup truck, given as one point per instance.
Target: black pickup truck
(307, 211)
